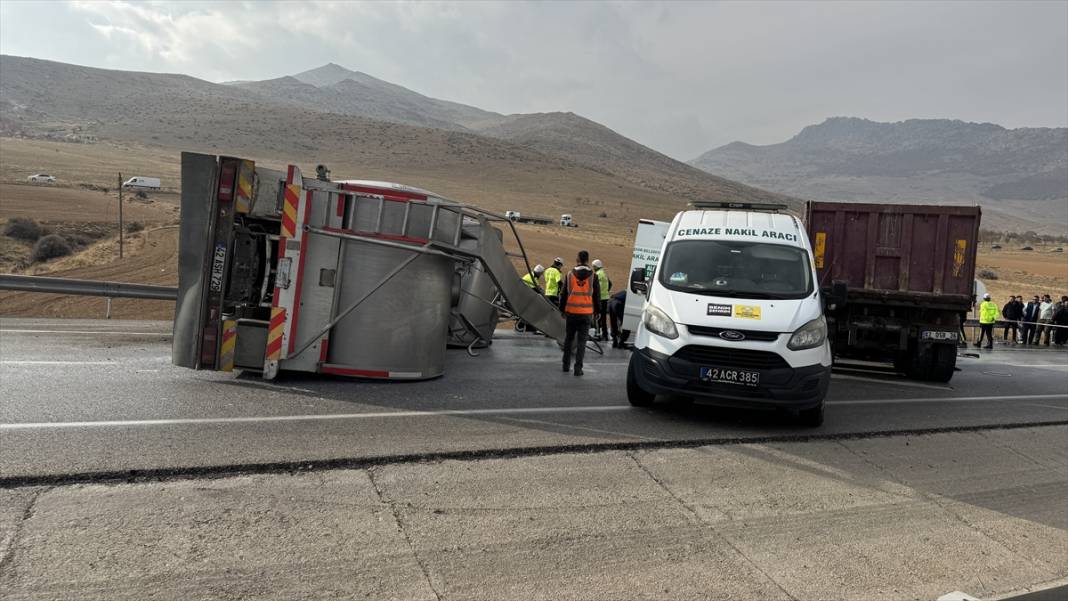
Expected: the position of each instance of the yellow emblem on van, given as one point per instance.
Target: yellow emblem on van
(747, 312)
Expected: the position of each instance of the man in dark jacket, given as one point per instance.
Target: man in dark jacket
(579, 296)
(1060, 318)
(1030, 317)
(1012, 312)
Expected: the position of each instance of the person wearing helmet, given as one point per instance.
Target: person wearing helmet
(552, 281)
(531, 279)
(988, 314)
(605, 285)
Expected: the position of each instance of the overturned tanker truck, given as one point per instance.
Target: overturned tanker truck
(353, 278)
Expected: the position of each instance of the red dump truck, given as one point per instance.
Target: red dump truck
(897, 280)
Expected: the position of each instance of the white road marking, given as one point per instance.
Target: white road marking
(124, 362)
(959, 399)
(313, 417)
(109, 332)
(455, 413)
(17, 362)
(1046, 406)
(906, 383)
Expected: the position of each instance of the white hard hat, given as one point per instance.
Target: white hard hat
(597, 263)
(558, 260)
(987, 296)
(538, 269)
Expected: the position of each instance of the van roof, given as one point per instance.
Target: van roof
(748, 226)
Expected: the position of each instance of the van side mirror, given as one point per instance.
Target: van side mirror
(638, 283)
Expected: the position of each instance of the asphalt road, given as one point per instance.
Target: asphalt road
(83, 397)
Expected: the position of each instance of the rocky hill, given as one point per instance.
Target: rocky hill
(333, 110)
(1019, 176)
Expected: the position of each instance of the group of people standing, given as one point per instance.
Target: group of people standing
(584, 296)
(1038, 322)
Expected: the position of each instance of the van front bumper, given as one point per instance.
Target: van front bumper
(783, 387)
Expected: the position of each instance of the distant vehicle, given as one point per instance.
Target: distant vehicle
(565, 220)
(512, 215)
(42, 178)
(1057, 250)
(1027, 248)
(142, 183)
(995, 247)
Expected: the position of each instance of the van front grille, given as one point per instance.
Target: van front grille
(756, 335)
(731, 357)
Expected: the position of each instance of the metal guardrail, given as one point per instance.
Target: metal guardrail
(34, 283)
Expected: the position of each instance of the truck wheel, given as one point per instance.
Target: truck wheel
(811, 418)
(943, 363)
(635, 394)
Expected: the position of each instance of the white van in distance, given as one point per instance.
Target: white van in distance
(733, 313)
(142, 183)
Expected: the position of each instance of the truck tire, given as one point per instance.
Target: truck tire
(635, 394)
(935, 365)
(811, 418)
(944, 363)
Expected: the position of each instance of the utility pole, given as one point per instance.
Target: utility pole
(120, 215)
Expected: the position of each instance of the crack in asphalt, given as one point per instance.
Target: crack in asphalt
(365, 462)
(937, 500)
(404, 531)
(31, 508)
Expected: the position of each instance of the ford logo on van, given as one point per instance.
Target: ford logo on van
(732, 335)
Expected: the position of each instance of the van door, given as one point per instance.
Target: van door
(648, 241)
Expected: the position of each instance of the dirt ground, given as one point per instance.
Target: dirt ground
(57, 203)
(1025, 272)
(152, 259)
(152, 256)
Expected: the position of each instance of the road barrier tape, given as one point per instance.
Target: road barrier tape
(229, 344)
(245, 177)
(289, 211)
(974, 323)
(275, 332)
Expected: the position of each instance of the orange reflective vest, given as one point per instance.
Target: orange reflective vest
(579, 295)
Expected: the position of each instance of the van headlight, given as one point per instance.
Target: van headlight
(810, 335)
(657, 322)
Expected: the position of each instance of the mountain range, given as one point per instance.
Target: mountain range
(1019, 176)
(344, 116)
(551, 162)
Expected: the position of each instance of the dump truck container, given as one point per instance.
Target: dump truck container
(897, 280)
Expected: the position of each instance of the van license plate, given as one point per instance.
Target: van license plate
(730, 376)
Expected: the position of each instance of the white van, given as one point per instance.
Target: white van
(732, 313)
(142, 183)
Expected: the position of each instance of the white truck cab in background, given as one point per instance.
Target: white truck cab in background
(142, 183)
(731, 312)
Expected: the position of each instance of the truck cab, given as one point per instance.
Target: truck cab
(732, 313)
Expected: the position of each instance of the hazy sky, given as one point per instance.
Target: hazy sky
(679, 77)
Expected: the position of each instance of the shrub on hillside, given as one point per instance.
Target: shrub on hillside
(50, 247)
(22, 228)
(134, 226)
(987, 274)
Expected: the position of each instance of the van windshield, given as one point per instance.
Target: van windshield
(736, 269)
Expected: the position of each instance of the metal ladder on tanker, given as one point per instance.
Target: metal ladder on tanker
(437, 228)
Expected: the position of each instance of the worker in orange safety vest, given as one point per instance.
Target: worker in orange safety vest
(580, 293)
